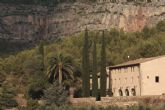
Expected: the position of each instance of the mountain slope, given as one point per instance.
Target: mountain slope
(24, 25)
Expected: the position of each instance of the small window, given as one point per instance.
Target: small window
(157, 79)
(148, 77)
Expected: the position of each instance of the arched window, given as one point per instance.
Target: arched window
(120, 92)
(133, 91)
(127, 92)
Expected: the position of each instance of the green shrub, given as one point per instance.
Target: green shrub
(55, 95)
(36, 88)
(7, 97)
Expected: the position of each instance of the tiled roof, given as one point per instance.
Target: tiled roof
(136, 62)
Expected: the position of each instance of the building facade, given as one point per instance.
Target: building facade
(145, 76)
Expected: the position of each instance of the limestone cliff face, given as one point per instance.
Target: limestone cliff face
(31, 23)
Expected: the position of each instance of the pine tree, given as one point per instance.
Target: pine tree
(85, 66)
(94, 71)
(103, 74)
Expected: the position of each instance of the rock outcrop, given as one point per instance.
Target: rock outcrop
(31, 23)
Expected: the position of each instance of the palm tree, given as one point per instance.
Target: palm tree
(60, 68)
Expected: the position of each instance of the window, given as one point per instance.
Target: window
(157, 79)
(133, 91)
(127, 92)
(148, 77)
(120, 92)
(114, 81)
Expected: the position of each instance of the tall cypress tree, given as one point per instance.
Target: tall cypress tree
(103, 74)
(110, 82)
(85, 66)
(40, 52)
(94, 71)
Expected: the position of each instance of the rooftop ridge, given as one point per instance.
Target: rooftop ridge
(136, 61)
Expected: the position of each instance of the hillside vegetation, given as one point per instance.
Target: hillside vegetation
(54, 2)
(36, 2)
(25, 73)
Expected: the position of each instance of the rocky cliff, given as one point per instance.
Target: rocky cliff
(29, 23)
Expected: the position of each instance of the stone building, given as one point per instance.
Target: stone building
(144, 76)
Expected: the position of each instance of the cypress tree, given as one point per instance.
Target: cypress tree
(85, 66)
(41, 48)
(103, 74)
(94, 71)
(41, 54)
(110, 82)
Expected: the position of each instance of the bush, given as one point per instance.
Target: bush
(7, 99)
(31, 105)
(36, 88)
(161, 26)
(55, 95)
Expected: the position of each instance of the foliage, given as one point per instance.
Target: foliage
(160, 26)
(135, 107)
(31, 105)
(36, 88)
(40, 51)
(85, 66)
(42, 2)
(103, 73)
(7, 99)
(94, 71)
(2, 72)
(33, 65)
(55, 95)
(36, 2)
(60, 68)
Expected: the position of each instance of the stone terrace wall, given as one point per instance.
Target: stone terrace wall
(117, 101)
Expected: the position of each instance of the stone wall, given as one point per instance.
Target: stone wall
(118, 101)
